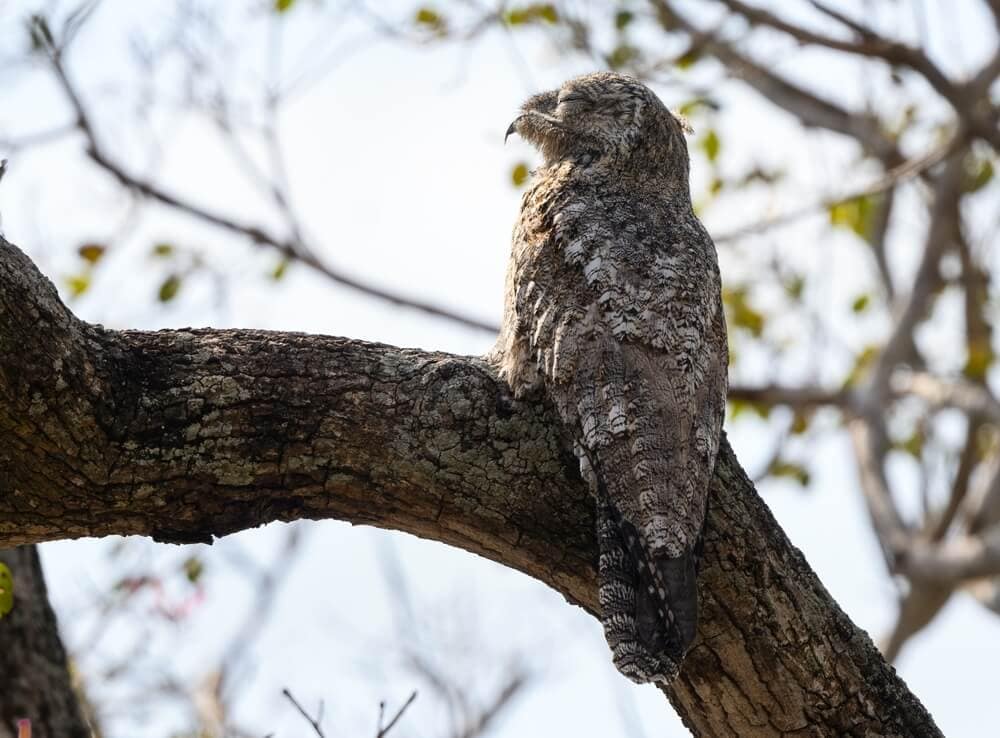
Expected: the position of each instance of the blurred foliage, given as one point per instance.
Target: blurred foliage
(6, 590)
(519, 174)
(855, 214)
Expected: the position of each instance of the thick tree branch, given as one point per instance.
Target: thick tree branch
(186, 435)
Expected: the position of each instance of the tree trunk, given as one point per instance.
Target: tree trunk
(34, 678)
(185, 435)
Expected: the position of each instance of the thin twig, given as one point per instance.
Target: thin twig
(383, 731)
(887, 181)
(306, 715)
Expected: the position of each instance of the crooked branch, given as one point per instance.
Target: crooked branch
(291, 248)
(187, 435)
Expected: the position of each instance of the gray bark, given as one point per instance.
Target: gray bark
(190, 434)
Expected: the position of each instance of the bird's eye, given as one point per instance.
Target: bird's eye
(571, 97)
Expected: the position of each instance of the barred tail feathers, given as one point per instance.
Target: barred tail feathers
(649, 603)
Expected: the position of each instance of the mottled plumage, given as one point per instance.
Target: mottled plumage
(613, 309)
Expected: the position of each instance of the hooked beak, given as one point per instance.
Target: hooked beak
(511, 129)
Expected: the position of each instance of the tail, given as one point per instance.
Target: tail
(649, 601)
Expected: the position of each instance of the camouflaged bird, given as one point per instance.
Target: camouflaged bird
(613, 310)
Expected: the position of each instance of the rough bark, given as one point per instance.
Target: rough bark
(34, 678)
(185, 435)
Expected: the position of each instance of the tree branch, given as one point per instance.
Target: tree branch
(293, 248)
(800, 398)
(868, 44)
(809, 108)
(185, 435)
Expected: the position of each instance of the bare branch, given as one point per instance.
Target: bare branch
(314, 722)
(872, 44)
(382, 732)
(973, 399)
(869, 449)
(481, 723)
(944, 223)
(806, 106)
(967, 461)
(917, 608)
(885, 183)
(957, 559)
(267, 582)
(868, 44)
(796, 397)
(291, 248)
(984, 511)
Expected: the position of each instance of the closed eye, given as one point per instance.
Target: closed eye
(572, 97)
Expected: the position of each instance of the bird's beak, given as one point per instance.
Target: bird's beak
(512, 128)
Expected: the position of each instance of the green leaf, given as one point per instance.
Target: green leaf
(531, 14)
(800, 423)
(742, 407)
(548, 13)
(623, 18)
(622, 55)
(710, 144)
(692, 106)
(519, 174)
(430, 19)
(741, 314)
(790, 470)
(688, 59)
(979, 172)
(280, 6)
(861, 303)
(91, 252)
(279, 270)
(715, 186)
(78, 284)
(856, 214)
(194, 567)
(163, 250)
(427, 17)
(794, 286)
(169, 289)
(862, 363)
(979, 361)
(914, 445)
(6, 590)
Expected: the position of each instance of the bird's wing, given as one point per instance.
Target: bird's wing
(629, 335)
(630, 339)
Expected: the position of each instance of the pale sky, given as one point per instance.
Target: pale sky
(400, 175)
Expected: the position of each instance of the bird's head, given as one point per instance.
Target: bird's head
(605, 118)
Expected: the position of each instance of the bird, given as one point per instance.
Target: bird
(613, 312)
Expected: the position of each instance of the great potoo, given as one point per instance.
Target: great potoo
(613, 309)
